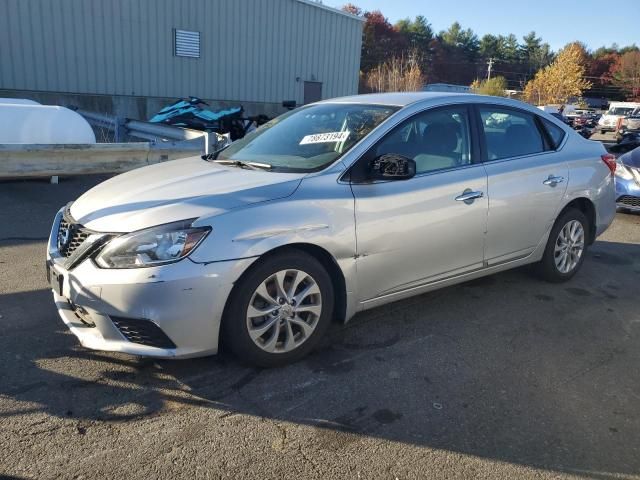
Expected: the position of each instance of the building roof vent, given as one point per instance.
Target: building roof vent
(187, 43)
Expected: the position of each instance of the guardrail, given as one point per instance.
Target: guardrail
(24, 160)
(166, 142)
(154, 132)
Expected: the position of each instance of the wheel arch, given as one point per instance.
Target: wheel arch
(324, 257)
(587, 207)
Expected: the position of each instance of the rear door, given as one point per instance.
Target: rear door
(527, 179)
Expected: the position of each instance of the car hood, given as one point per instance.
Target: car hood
(176, 190)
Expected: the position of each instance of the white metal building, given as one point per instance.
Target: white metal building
(134, 55)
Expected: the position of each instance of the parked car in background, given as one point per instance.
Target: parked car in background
(609, 121)
(628, 181)
(560, 117)
(330, 209)
(576, 113)
(588, 119)
(628, 124)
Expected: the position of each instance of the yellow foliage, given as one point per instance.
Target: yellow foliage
(563, 79)
(495, 86)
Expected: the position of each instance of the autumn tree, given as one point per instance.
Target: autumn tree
(380, 40)
(563, 79)
(495, 86)
(625, 73)
(456, 55)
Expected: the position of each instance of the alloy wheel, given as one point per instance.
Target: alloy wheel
(569, 246)
(284, 311)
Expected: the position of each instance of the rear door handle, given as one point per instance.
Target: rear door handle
(552, 181)
(468, 196)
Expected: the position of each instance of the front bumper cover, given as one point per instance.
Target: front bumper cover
(185, 300)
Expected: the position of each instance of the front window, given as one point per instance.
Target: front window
(309, 138)
(437, 139)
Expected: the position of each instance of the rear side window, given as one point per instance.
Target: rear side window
(510, 133)
(556, 134)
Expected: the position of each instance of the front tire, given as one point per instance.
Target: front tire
(566, 247)
(279, 310)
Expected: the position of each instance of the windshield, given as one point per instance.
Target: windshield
(309, 138)
(620, 111)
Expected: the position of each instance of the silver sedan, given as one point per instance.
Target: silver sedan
(328, 210)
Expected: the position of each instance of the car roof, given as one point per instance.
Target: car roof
(403, 99)
(400, 99)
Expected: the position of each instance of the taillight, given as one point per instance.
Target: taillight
(610, 161)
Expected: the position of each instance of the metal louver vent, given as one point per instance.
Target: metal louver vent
(187, 44)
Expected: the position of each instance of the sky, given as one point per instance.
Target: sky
(558, 22)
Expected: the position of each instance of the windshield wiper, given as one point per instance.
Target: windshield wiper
(214, 155)
(248, 165)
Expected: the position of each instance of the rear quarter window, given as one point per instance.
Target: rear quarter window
(556, 134)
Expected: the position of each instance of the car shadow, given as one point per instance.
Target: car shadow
(505, 367)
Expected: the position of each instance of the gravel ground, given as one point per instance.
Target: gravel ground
(502, 377)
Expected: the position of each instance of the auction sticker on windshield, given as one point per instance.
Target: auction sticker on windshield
(325, 137)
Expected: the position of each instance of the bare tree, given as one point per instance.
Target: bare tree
(399, 74)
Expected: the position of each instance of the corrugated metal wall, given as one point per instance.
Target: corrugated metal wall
(251, 50)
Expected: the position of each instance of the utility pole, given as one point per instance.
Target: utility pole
(490, 63)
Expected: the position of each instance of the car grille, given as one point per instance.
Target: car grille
(143, 332)
(70, 236)
(629, 200)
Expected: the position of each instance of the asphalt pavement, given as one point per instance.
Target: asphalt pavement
(503, 377)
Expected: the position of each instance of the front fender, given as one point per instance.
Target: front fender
(319, 213)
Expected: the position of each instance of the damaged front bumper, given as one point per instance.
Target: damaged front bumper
(168, 311)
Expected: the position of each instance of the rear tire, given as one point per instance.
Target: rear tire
(279, 310)
(566, 247)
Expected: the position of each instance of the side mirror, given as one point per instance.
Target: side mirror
(392, 166)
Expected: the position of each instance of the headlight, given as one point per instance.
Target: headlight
(623, 172)
(152, 246)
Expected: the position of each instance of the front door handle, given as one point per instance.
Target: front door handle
(468, 196)
(552, 181)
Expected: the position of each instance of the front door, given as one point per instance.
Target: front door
(432, 226)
